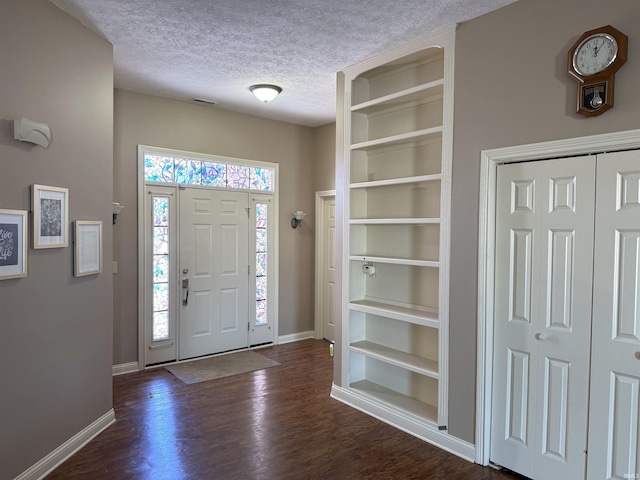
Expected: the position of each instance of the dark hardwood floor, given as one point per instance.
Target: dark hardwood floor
(274, 424)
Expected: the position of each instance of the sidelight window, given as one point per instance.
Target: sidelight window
(261, 263)
(160, 276)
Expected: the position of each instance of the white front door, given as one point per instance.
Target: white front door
(543, 288)
(614, 446)
(328, 267)
(213, 264)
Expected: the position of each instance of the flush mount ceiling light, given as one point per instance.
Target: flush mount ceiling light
(265, 92)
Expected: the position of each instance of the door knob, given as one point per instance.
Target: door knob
(638, 355)
(541, 337)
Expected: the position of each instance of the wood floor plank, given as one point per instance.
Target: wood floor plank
(273, 424)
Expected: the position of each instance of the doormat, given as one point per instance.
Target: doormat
(221, 366)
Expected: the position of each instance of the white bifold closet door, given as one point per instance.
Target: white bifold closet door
(614, 449)
(544, 251)
(567, 318)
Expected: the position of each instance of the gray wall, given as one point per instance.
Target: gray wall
(512, 88)
(55, 330)
(324, 169)
(146, 120)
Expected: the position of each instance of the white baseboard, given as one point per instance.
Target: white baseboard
(123, 368)
(404, 422)
(49, 463)
(296, 337)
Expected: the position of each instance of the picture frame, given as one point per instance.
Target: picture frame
(88, 248)
(50, 217)
(14, 227)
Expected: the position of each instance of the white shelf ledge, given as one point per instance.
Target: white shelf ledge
(403, 314)
(404, 96)
(408, 137)
(391, 397)
(423, 366)
(396, 260)
(398, 181)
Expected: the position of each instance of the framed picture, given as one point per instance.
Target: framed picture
(13, 243)
(88, 248)
(50, 217)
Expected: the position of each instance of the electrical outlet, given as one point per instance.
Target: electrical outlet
(368, 269)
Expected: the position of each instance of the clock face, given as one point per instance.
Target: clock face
(595, 54)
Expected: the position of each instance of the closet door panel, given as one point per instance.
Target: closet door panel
(544, 231)
(515, 349)
(564, 326)
(614, 428)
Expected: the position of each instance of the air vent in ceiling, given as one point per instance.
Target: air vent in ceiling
(202, 101)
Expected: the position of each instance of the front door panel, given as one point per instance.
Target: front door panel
(214, 260)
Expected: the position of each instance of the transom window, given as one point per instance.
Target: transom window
(166, 169)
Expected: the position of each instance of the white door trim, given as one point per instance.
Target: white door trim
(490, 159)
(321, 198)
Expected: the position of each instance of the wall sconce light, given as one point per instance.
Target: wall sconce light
(117, 208)
(298, 215)
(265, 92)
(27, 130)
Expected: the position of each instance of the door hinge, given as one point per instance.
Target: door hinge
(248, 210)
(248, 269)
(248, 326)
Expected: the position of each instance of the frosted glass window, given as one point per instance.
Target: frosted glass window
(261, 312)
(160, 325)
(160, 268)
(261, 288)
(160, 240)
(214, 174)
(158, 168)
(164, 169)
(237, 176)
(161, 212)
(261, 179)
(160, 272)
(261, 215)
(160, 297)
(261, 239)
(261, 263)
(188, 171)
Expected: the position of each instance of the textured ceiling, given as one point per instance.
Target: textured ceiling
(216, 49)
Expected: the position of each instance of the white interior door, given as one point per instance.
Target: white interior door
(614, 446)
(328, 267)
(544, 247)
(213, 259)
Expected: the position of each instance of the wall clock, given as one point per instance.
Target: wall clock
(594, 60)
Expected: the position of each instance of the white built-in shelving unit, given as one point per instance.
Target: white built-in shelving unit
(395, 149)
